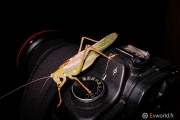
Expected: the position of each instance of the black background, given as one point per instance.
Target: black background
(152, 25)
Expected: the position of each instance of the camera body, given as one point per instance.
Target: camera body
(131, 83)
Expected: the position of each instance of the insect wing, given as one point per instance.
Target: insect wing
(99, 46)
(105, 42)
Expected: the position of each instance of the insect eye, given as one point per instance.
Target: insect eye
(60, 79)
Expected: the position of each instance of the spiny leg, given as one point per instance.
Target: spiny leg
(79, 69)
(75, 78)
(82, 40)
(85, 54)
(80, 66)
(108, 57)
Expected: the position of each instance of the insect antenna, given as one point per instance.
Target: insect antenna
(24, 86)
(42, 88)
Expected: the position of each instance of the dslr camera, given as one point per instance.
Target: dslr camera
(130, 84)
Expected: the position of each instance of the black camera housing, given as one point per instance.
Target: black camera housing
(134, 82)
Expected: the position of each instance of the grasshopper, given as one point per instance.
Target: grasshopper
(78, 63)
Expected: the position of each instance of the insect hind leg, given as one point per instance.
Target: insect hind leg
(108, 57)
(82, 40)
(75, 78)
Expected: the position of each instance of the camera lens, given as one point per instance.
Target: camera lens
(35, 48)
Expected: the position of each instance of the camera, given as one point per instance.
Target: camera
(124, 87)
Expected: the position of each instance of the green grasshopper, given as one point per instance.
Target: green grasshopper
(78, 63)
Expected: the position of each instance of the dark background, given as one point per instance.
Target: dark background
(152, 25)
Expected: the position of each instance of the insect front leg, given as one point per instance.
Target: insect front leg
(60, 98)
(59, 91)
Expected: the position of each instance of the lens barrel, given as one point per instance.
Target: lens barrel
(35, 48)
